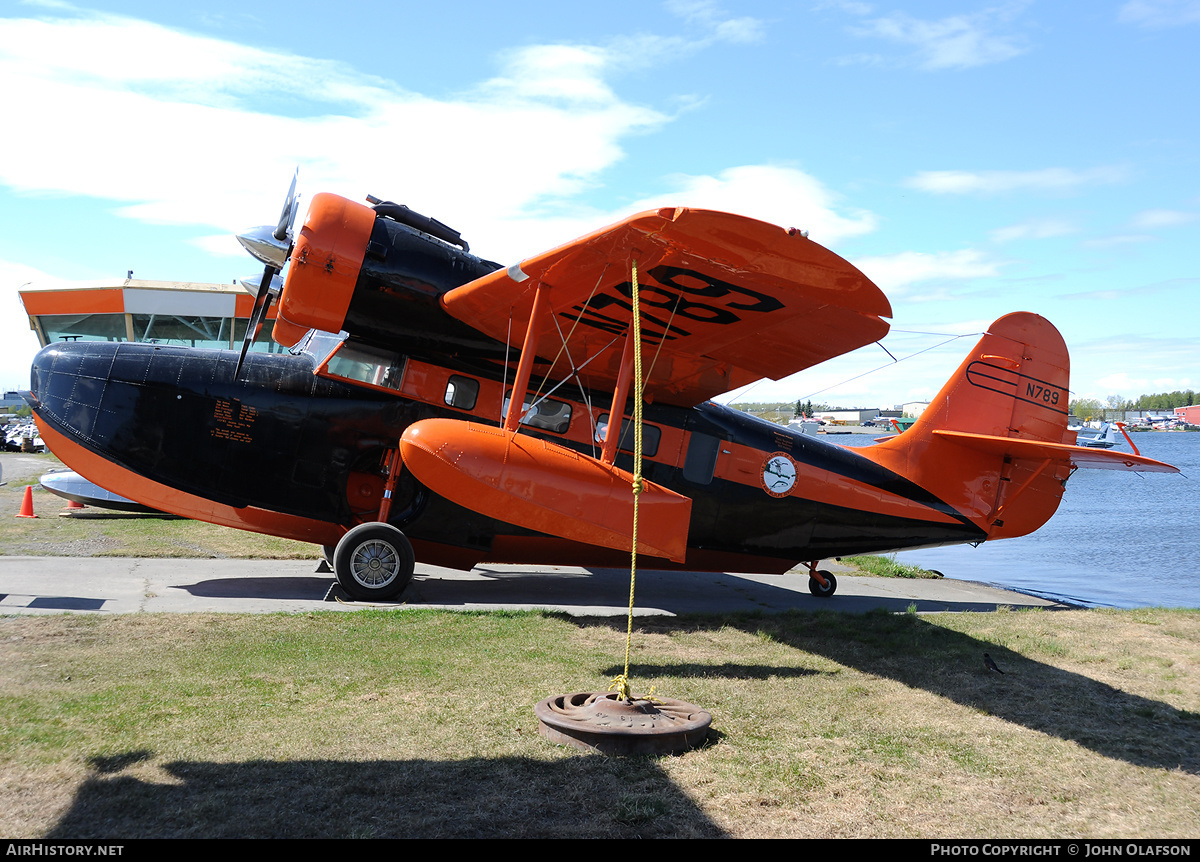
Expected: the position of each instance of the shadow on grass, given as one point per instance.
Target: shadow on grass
(515, 797)
(909, 649)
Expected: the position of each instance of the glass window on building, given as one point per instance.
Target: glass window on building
(262, 343)
(83, 327)
(195, 331)
(211, 332)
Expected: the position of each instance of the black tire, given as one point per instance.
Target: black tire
(327, 552)
(814, 586)
(373, 562)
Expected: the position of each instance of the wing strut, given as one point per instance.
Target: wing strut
(516, 404)
(616, 413)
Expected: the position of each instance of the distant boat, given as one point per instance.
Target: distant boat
(808, 427)
(1104, 438)
(71, 486)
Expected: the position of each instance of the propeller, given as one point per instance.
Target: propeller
(271, 246)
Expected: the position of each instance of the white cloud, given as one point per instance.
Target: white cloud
(19, 341)
(1160, 13)
(778, 194)
(893, 272)
(1123, 382)
(712, 18)
(1161, 364)
(1118, 240)
(177, 128)
(1035, 229)
(184, 139)
(782, 195)
(1045, 179)
(1150, 219)
(1185, 286)
(869, 377)
(954, 42)
(853, 7)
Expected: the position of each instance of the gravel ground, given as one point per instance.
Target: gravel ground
(18, 467)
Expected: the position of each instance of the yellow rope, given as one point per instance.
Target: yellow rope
(621, 683)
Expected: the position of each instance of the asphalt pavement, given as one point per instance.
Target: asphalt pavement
(122, 585)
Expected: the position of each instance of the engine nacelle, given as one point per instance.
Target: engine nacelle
(325, 264)
(361, 270)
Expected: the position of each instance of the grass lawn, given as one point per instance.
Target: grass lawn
(420, 723)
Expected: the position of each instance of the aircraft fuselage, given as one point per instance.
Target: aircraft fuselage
(287, 451)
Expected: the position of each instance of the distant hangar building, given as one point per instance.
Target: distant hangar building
(1190, 415)
(164, 312)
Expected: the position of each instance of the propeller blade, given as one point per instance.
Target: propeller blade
(262, 301)
(290, 203)
(272, 247)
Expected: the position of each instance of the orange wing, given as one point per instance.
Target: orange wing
(725, 300)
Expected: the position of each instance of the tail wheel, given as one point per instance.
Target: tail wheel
(814, 586)
(373, 562)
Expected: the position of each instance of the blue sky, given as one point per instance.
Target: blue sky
(971, 158)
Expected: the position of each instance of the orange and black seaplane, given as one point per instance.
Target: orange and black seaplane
(439, 407)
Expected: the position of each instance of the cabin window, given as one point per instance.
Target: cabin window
(462, 392)
(382, 369)
(651, 434)
(549, 414)
(701, 460)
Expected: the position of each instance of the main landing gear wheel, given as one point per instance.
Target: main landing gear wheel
(814, 586)
(373, 562)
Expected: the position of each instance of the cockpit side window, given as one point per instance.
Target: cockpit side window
(462, 392)
(549, 414)
(358, 363)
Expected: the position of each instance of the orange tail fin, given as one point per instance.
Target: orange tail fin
(1012, 386)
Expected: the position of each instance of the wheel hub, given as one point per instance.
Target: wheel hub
(375, 563)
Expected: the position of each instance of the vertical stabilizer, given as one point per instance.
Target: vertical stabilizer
(1013, 384)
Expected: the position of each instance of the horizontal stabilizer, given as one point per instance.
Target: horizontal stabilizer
(1079, 456)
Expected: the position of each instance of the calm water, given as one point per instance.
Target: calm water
(1118, 539)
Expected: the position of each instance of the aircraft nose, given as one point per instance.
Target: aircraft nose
(67, 384)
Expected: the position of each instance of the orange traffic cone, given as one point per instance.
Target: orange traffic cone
(75, 504)
(27, 504)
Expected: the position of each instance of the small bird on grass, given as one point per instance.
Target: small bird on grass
(989, 664)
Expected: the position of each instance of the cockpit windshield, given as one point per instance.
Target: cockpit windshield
(318, 345)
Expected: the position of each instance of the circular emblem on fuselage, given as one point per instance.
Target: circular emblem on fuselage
(779, 474)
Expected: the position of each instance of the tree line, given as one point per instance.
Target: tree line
(1094, 408)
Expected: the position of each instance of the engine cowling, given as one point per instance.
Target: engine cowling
(362, 270)
(325, 266)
